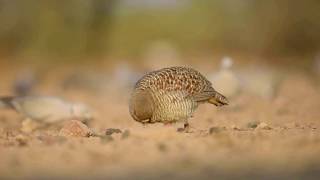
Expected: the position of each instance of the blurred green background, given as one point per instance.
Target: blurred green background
(126, 28)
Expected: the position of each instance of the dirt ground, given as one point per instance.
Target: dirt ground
(223, 143)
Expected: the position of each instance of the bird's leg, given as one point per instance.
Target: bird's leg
(144, 124)
(186, 127)
(168, 123)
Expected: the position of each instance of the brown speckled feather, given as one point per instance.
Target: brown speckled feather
(173, 95)
(175, 79)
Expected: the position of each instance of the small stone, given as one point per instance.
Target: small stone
(29, 125)
(111, 131)
(253, 124)
(311, 126)
(74, 128)
(236, 128)
(22, 140)
(215, 130)
(264, 126)
(125, 134)
(180, 130)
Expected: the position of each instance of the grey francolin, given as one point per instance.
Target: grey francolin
(171, 94)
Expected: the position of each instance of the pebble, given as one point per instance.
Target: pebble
(22, 140)
(214, 130)
(111, 131)
(264, 126)
(74, 128)
(236, 128)
(180, 130)
(253, 124)
(29, 125)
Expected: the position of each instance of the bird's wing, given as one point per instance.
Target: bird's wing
(204, 95)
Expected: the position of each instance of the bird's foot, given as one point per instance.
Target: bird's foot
(185, 129)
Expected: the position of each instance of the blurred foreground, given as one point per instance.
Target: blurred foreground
(269, 130)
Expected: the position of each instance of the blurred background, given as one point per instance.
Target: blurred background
(82, 50)
(123, 36)
(97, 29)
(263, 55)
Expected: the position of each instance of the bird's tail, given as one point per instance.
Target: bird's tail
(218, 99)
(6, 102)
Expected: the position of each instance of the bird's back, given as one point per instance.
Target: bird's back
(175, 79)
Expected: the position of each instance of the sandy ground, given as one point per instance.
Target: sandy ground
(223, 143)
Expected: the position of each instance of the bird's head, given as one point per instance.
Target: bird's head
(219, 100)
(141, 105)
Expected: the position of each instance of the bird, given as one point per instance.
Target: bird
(171, 95)
(226, 80)
(24, 83)
(46, 109)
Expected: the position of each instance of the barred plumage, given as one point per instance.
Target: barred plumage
(171, 94)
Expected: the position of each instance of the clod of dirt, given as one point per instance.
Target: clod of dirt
(29, 125)
(236, 128)
(253, 124)
(125, 134)
(181, 130)
(111, 131)
(264, 126)
(312, 126)
(22, 140)
(216, 130)
(185, 130)
(74, 128)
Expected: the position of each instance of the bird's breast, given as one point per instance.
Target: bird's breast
(172, 106)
